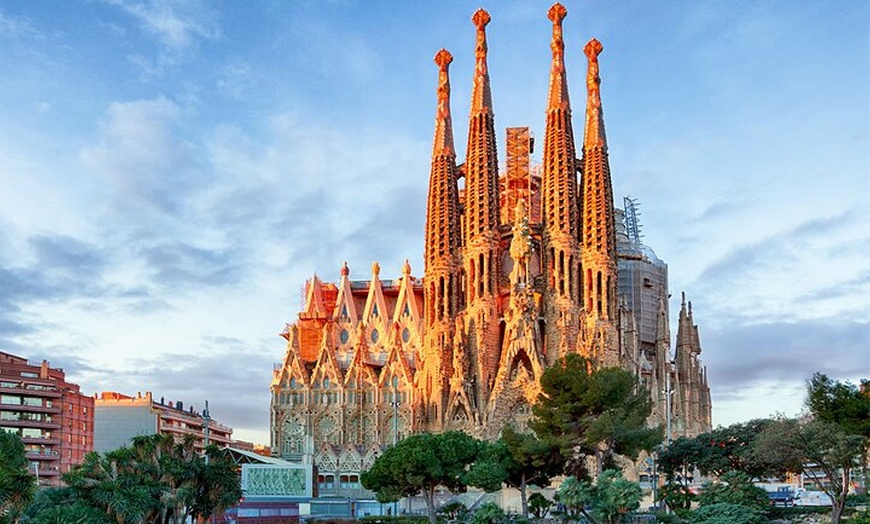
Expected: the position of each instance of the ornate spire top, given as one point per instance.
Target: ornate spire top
(558, 96)
(481, 94)
(443, 143)
(345, 271)
(594, 135)
(376, 270)
(406, 268)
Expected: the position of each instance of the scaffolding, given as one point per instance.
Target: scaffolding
(632, 220)
(518, 178)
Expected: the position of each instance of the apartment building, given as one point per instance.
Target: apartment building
(118, 418)
(53, 418)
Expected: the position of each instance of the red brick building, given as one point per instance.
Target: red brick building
(54, 420)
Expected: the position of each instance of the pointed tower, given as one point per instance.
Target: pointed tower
(559, 203)
(441, 286)
(598, 236)
(481, 240)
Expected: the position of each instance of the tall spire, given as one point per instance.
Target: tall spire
(443, 142)
(481, 221)
(594, 132)
(481, 95)
(598, 233)
(441, 263)
(442, 216)
(558, 95)
(559, 202)
(481, 164)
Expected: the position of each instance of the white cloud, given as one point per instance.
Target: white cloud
(177, 25)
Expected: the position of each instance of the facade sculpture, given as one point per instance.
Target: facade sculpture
(521, 268)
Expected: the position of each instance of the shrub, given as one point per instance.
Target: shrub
(725, 513)
(453, 512)
(736, 488)
(539, 505)
(488, 513)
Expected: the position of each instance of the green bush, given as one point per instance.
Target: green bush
(663, 517)
(734, 488)
(539, 505)
(488, 513)
(859, 517)
(793, 512)
(453, 512)
(725, 513)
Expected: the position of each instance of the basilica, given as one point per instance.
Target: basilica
(522, 265)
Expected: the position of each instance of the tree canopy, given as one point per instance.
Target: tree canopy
(593, 413)
(519, 460)
(16, 483)
(811, 447)
(841, 403)
(155, 479)
(730, 448)
(608, 501)
(421, 463)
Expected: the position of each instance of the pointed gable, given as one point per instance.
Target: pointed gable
(345, 307)
(292, 368)
(376, 316)
(314, 303)
(326, 365)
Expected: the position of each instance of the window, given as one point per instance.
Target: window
(10, 399)
(348, 481)
(326, 481)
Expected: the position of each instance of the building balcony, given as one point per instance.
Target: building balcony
(24, 408)
(41, 441)
(47, 456)
(24, 390)
(29, 424)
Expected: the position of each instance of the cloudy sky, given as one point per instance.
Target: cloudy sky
(172, 172)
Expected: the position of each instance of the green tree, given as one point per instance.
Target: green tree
(62, 506)
(421, 463)
(539, 505)
(156, 480)
(17, 485)
(814, 446)
(724, 449)
(841, 403)
(593, 413)
(519, 460)
(610, 500)
(734, 487)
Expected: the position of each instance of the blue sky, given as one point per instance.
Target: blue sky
(172, 172)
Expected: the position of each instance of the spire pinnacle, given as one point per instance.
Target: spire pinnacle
(443, 143)
(558, 96)
(594, 134)
(481, 94)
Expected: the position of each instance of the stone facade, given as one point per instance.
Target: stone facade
(521, 268)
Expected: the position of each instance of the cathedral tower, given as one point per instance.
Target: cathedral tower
(559, 202)
(481, 220)
(441, 248)
(598, 261)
